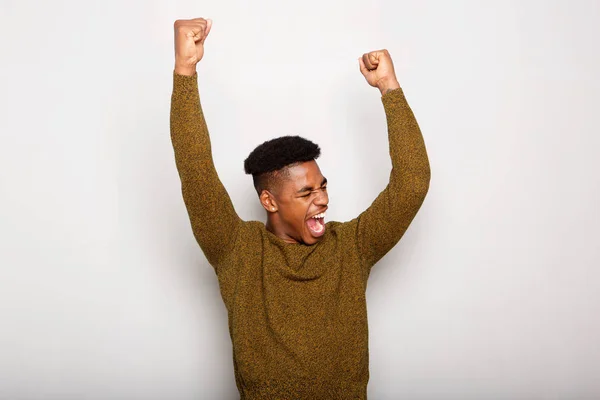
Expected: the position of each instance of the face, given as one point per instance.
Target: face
(299, 198)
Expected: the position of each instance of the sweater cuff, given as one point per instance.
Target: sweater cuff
(393, 95)
(185, 82)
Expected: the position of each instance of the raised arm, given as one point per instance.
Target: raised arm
(382, 225)
(212, 216)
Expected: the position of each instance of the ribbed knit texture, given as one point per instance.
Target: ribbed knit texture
(297, 313)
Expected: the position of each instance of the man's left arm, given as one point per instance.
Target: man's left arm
(381, 226)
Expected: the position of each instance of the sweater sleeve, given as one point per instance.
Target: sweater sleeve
(380, 227)
(214, 221)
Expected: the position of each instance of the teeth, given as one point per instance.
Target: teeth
(322, 215)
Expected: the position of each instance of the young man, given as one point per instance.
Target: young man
(294, 288)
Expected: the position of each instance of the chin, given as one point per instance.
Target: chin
(310, 240)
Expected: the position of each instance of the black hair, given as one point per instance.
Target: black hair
(266, 163)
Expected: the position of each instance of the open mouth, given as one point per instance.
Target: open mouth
(316, 225)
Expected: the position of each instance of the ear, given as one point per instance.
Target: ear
(268, 201)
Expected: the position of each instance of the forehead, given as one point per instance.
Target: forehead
(304, 174)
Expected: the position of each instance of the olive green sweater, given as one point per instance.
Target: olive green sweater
(297, 313)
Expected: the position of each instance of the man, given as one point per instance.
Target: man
(294, 288)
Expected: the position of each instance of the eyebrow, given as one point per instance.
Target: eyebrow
(310, 189)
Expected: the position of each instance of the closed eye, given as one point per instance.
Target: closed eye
(307, 191)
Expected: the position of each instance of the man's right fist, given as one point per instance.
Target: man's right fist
(190, 35)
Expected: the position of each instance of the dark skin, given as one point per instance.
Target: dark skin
(299, 195)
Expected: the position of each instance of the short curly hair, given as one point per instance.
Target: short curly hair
(267, 162)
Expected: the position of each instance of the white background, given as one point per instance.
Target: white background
(493, 293)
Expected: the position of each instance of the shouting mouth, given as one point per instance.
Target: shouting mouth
(316, 225)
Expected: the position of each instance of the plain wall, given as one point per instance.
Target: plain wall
(494, 291)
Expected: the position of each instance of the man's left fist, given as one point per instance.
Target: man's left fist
(378, 69)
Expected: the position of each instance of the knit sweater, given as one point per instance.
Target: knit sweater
(297, 313)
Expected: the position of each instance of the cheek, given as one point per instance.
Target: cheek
(295, 211)
(300, 210)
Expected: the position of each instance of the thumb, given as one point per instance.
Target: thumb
(207, 31)
(363, 67)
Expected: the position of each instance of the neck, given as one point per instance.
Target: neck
(277, 230)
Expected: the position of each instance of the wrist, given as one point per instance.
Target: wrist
(185, 70)
(387, 85)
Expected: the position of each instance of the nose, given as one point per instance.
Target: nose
(322, 198)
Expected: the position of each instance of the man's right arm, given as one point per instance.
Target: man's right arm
(214, 221)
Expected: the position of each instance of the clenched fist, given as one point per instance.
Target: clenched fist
(190, 35)
(378, 70)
